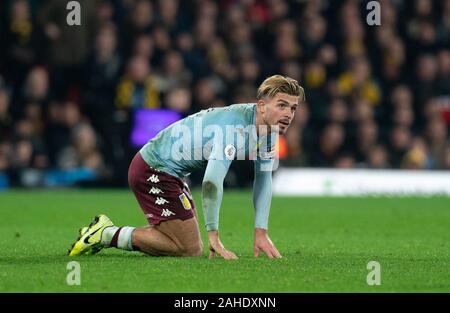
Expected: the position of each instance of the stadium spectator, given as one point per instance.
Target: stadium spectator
(437, 136)
(102, 71)
(137, 88)
(22, 39)
(83, 151)
(377, 158)
(366, 138)
(179, 99)
(67, 46)
(6, 120)
(36, 89)
(400, 140)
(330, 146)
(417, 156)
(173, 72)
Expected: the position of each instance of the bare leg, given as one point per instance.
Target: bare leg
(173, 238)
(152, 241)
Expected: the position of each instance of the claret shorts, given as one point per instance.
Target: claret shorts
(161, 196)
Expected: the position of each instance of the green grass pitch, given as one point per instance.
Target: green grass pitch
(326, 244)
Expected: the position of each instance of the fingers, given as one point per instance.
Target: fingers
(270, 251)
(212, 253)
(231, 256)
(227, 255)
(216, 247)
(277, 254)
(256, 252)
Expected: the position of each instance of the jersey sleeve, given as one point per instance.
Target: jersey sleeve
(262, 192)
(212, 186)
(262, 185)
(225, 147)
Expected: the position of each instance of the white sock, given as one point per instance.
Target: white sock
(108, 234)
(124, 240)
(124, 237)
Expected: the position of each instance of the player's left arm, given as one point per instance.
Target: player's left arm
(262, 197)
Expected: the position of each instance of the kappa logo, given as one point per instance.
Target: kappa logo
(160, 201)
(167, 212)
(155, 191)
(154, 178)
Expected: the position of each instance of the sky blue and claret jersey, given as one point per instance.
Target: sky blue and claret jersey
(225, 133)
(214, 138)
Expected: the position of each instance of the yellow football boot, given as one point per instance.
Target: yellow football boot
(89, 240)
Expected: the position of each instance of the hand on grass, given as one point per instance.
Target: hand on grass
(216, 246)
(263, 242)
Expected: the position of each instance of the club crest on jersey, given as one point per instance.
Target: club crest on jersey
(230, 152)
(185, 201)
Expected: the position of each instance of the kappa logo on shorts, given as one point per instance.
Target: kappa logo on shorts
(185, 201)
(155, 191)
(160, 200)
(154, 178)
(167, 213)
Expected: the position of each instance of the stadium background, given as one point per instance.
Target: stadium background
(377, 96)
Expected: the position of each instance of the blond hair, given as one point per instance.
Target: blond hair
(278, 83)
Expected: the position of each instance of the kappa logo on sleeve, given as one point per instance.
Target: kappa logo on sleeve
(185, 201)
(230, 152)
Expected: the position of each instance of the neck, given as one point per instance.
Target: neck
(260, 129)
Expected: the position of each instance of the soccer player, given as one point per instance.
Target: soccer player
(213, 137)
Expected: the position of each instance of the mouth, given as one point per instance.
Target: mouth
(284, 123)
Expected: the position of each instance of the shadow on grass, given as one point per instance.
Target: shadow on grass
(15, 261)
(55, 258)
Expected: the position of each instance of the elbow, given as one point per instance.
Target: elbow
(210, 190)
(209, 187)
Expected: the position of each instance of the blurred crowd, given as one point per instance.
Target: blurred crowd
(377, 96)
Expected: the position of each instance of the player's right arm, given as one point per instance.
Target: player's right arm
(212, 192)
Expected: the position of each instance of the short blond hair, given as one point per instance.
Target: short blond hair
(278, 83)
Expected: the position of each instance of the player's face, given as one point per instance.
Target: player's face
(279, 111)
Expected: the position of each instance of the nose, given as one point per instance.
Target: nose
(289, 115)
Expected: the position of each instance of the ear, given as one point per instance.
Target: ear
(261, 105)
